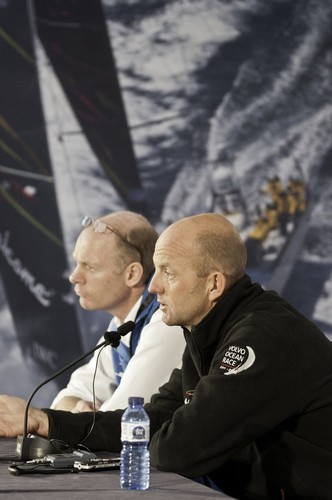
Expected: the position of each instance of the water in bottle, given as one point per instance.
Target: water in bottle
(135, 456)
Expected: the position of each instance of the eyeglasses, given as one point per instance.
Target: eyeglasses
(101, 227)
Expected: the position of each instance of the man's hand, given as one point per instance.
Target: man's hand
(82, 405)
(76, 405)
(12, 418)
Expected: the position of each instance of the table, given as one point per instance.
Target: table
(99, 485)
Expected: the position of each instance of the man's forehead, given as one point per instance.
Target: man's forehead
(171, 250)
(90, 244)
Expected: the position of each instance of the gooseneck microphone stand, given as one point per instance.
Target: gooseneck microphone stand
(30, 446)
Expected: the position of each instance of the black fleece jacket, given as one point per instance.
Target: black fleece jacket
(251, 406)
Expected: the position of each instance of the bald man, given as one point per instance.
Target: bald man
(250, 410)
(114, 264)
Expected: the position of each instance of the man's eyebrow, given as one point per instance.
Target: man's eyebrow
(164, 265)
(85, 262)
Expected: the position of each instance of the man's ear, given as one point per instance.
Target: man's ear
(134, 273)
(216, 285)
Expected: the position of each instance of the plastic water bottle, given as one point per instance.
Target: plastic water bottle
(135, 455)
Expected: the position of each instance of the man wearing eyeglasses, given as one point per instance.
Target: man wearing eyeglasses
(250, 410)
(114, 265)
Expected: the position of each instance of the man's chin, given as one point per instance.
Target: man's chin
(86, 305)
(167, 320)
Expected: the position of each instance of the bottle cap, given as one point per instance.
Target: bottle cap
(135, 400)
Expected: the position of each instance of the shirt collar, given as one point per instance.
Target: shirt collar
(131, 316)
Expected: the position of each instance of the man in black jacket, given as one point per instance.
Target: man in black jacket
(250, 411)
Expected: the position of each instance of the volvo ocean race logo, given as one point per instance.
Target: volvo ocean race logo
(237, 359)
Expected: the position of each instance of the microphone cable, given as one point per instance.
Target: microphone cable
(113, 339)
(32, 446)
(93, 401)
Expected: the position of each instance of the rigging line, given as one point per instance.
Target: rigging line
(16, 47)
(103, 162)
(114, 177)
(48, 88)
(29, 217)
(65, 24)
(10, 152)
(18, 139)
(59, 135)
(51, 89)
(157, 121)
(29, 175)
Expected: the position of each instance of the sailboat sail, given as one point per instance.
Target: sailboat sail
(76, 41)
(33, 261)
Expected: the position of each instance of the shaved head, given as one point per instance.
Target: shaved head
(212, 243)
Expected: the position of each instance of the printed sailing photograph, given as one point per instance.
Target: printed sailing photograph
(168, 108)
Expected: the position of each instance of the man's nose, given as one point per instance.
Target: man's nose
(154, 286)
(73, 277)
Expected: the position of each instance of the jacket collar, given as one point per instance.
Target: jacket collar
(219, 320)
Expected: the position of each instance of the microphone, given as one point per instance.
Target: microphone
(30, 446)
(113, 338)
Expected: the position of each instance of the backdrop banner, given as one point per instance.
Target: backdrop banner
(33, 262)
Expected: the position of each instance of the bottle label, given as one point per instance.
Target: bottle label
(134, 433)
